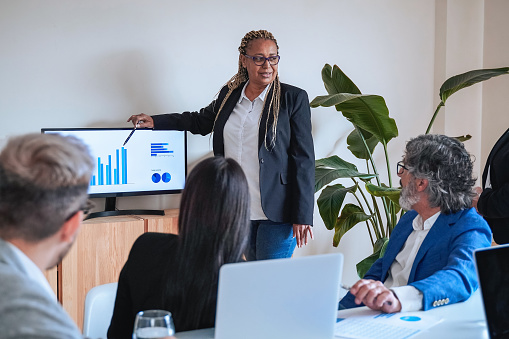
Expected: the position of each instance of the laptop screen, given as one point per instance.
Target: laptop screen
(493, 271)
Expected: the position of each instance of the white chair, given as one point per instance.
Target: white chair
(99, 304)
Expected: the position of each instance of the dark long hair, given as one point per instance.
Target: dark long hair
(213, 230)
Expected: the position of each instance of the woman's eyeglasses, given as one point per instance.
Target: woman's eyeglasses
(259, 60)
(400, 167)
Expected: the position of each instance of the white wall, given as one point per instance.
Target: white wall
(463, 34)
(94, 63)
(495, 105)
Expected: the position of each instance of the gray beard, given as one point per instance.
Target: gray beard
(408, 196)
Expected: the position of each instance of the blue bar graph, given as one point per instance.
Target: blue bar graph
(124, 166)
(159, 149)
(108, 171)
(116, 176)
(107, 175)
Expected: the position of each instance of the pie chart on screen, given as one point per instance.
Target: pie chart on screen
(166, 177)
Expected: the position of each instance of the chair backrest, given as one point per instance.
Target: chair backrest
(99, 304)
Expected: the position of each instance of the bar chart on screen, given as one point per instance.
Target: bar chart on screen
(111, 172)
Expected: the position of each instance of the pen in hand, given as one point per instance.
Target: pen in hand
(130, 134)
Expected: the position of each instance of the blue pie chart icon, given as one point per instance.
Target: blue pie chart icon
(166, 177)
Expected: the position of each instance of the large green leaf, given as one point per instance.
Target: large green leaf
(332, 99)
(378, 251)
(357, 146)
(330, 202)
(384, 191)
(332, 168)
(370, 113)
(457, 82)
(350, 216)
(336, 81)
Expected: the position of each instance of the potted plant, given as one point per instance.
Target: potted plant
(377, 203)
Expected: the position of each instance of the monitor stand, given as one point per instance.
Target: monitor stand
(110, 210)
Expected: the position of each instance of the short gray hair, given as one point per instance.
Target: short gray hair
(44, 178)
(447, 166)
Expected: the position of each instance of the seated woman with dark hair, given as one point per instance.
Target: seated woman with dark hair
(180, 273)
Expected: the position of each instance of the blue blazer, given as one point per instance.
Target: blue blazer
(444, 268)
(287, 171)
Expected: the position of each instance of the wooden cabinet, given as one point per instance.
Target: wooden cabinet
(98, 255)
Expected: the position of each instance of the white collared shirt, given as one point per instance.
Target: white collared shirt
(241, 143)
(409, 297)
(32, 271)
(487, 184)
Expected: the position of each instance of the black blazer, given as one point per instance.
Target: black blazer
(287, 170)
(493, 203)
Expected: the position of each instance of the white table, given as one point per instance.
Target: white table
(464, 320)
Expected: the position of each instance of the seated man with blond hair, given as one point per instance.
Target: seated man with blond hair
(43, 195)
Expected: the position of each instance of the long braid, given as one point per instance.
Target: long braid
(242, 76)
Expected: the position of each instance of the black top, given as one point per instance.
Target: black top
(493, 203)
(141, 284)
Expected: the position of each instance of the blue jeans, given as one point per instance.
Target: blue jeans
(270, 240)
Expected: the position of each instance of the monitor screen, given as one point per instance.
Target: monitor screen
(151, 162)
(493, 271)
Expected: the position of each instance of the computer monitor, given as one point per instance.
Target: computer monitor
(492, 265)
(151, 162)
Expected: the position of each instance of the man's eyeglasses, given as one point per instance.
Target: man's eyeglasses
(400, 167)
(259, 60)
(85, 208)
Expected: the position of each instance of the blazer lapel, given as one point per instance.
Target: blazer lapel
(263, 121)
(222, 118)
(439, 228)
(504, 139)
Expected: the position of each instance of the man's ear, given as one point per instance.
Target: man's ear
(70, 227)
(421, 184)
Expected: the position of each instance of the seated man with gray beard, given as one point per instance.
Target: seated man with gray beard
(43, 195)
(429, 258)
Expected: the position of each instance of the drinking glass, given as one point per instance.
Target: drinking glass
(153, 324)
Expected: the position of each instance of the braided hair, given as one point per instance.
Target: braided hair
(242, 76)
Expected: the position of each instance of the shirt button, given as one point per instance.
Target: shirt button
(261, 160)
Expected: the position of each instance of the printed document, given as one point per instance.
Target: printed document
(364, 323)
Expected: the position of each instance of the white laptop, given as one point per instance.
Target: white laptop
(493, 271)
(281, 298)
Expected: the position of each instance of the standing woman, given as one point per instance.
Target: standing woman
(265, 125)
